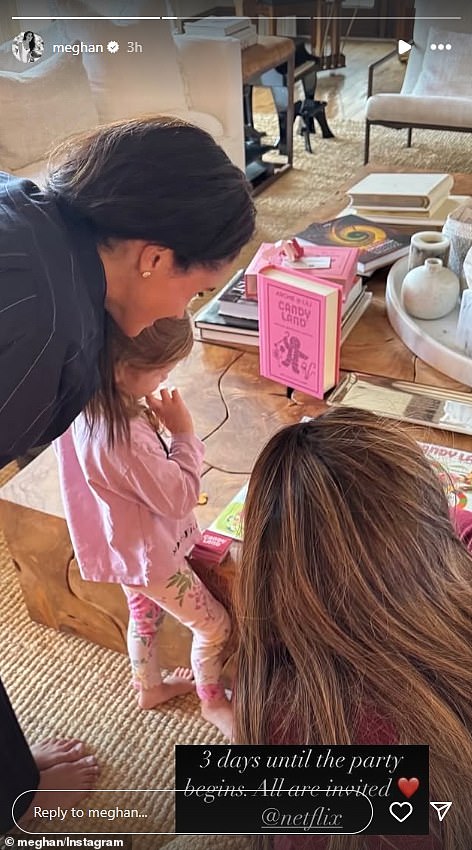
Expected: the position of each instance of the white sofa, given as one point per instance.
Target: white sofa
(199, 80)
(437, 90)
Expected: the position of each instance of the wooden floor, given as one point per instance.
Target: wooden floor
(346, 89)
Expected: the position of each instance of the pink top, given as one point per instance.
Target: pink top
(463, 522)
(129, 509)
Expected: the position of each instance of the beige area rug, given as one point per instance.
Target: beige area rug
(318, 177)
(62, 685)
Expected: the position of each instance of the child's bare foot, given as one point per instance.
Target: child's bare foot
(57, 751)
(179, 682)
(79, 775)
(220, 713)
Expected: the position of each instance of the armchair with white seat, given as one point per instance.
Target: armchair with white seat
(437, 91)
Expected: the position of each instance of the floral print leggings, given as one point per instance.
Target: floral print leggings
(182, 594)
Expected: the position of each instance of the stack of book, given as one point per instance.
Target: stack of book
(213, 26)
(333, 262)
(212, 326)
(232, 317)
(422, 199)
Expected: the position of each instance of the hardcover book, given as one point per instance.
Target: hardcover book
(212, 326)
(424, 219)
(378, 245)
(233, 301)
(230, 521)
(386, 191)
(299, 330)
(338, 264)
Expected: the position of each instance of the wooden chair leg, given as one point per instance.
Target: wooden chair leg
(410, 133)
(366, 142)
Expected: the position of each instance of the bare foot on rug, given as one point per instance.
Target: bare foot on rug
(57, 751)
(81, 775)
(220, 713)
(177, 683)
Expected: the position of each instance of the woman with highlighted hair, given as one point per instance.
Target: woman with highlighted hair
(354, 605)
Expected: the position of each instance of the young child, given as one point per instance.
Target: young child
(363, 631)
(129, 500)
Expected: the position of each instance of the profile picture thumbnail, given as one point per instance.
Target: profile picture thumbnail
(28, 46)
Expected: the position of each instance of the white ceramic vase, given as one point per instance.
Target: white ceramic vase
(458, 228)
(430, 291)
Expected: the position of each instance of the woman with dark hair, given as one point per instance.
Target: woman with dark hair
(27, 46)
(135, 219)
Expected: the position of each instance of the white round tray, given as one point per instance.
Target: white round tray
(433, 340)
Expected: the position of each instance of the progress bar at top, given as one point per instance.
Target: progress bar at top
(226, 17)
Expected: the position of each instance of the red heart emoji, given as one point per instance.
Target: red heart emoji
(408, 787)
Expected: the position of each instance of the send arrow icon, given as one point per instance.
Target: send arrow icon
(441, 809)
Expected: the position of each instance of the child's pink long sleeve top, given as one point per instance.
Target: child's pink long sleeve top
(129, 509)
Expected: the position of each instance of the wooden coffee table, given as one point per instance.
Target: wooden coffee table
(236, 412)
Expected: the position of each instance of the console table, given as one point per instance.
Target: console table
(236, 412)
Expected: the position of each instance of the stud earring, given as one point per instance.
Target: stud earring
(145, 274)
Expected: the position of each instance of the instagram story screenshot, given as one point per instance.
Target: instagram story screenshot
(236, 424)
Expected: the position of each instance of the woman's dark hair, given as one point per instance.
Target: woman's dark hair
(158, 179)
(31, 40)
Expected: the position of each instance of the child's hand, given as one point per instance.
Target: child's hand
(172, 412)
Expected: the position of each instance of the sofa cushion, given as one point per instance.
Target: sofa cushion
(411, 109)
(42, 106)
(207, 122)
(446, 72)
(122, 83)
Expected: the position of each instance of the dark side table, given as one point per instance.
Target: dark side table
(259, 68)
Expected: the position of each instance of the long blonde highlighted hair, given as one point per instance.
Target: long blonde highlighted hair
(354, 593)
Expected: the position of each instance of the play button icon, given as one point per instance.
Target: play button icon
(403, 47)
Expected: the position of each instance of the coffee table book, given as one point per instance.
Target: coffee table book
(300, 330)
(422, 220)
(230, 521)
(232, 301)
(378, 245)
(394, 190)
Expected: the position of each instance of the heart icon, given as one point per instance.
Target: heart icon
(404, 809)
(408, 787)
